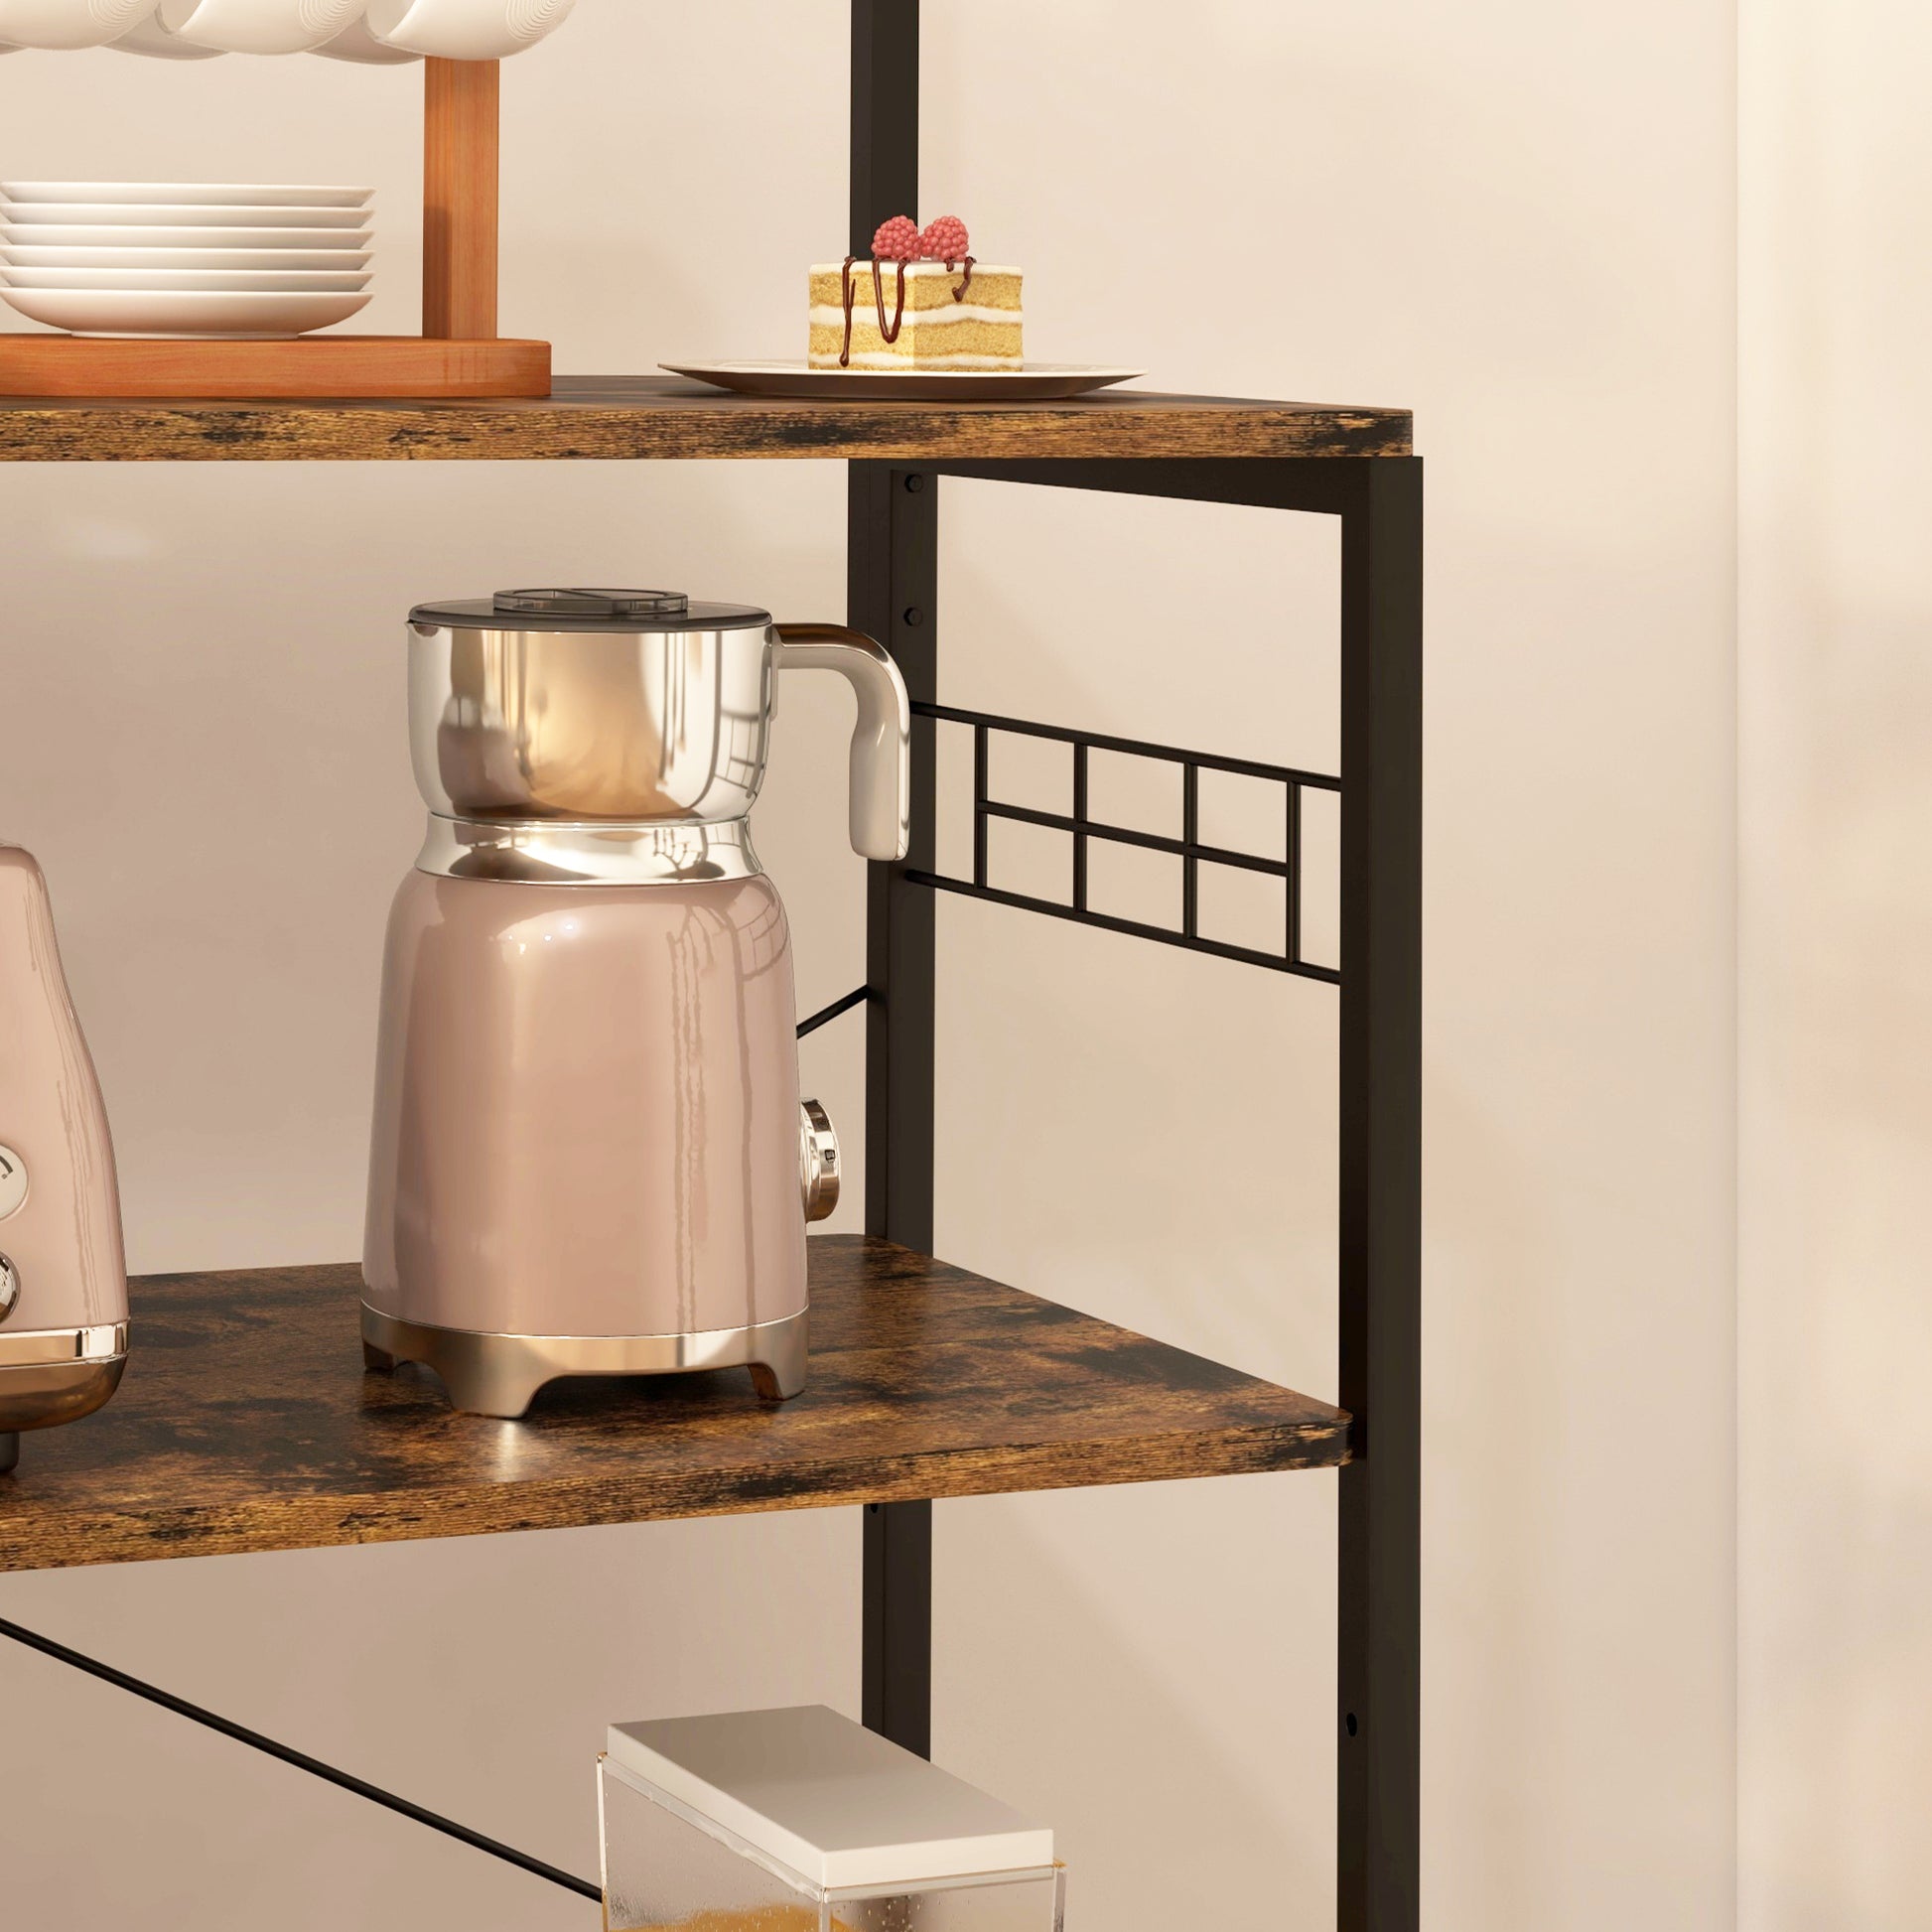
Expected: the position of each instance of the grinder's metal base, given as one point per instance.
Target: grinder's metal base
(499, 1375)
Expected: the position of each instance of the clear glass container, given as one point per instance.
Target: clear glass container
(665, 1866)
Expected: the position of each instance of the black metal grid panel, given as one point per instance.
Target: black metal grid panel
(1083, 828)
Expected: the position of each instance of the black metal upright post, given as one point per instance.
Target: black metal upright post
(893, 568)
(884, 166)
(892, 579)
(1379, 1674)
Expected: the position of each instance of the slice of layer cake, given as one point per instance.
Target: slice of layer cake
(921, 303)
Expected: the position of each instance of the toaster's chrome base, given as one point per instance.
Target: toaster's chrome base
(51, 1376)
(499, 1375)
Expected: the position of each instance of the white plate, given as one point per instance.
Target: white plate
(352, 239)
(183, 194)
(1033, 382)
(157, 312)
(337, 261)
(187, 281)
(176, 214)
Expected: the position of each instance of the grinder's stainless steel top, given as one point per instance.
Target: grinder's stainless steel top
(583, 705)
(609, 736)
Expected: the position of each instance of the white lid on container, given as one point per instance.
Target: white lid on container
(832, 1801)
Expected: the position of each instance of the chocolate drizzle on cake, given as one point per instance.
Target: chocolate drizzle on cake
(889, 330)
(959, 294)
(845, 353)
(879, 302)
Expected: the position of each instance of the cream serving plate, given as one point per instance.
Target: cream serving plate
(1031, 382)
(174, 215)
(187, 281)
(55, 236)
(182, 193)
(162, 312)
(337, 261)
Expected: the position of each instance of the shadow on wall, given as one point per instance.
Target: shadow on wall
(1144, 1698)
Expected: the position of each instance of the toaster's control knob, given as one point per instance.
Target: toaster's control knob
(12, 1183)
(9, 1287)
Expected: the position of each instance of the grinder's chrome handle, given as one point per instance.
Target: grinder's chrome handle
(882, 742)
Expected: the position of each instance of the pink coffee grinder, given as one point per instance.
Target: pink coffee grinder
(590, 1155)
(63, 1281)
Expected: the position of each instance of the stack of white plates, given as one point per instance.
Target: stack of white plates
(184, 259)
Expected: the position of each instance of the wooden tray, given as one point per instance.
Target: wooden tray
(322, 368)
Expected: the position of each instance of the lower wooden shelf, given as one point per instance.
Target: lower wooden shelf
(246, 1422)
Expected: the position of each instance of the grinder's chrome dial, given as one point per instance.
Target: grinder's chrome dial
(9, 1287)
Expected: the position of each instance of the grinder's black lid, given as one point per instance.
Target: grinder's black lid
(589, 609)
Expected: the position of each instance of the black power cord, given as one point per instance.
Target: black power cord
(300, 1759)
(825, 1014)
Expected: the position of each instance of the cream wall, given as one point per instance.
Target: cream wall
(1443, 209)
(1835, 1324)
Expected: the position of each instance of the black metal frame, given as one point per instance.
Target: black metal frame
(892, 594)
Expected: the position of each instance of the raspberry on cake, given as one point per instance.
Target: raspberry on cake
(921, 303)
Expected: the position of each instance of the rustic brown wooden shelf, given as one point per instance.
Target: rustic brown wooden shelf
(612, 418)
(246, 1421)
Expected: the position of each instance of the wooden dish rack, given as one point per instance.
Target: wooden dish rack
(459, 355)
